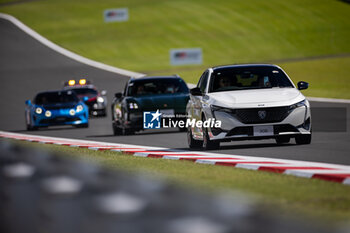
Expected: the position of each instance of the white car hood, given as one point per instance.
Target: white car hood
(256, 98)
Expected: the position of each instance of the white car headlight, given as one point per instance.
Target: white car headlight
(48, 114)
(38, 110)
(297, 105)
(80, 108)
(221, 109)
(100, 99)
(72, 112)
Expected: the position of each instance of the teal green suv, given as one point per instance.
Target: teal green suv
(167, 94)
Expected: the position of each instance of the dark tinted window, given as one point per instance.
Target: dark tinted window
(56, 97)
(203, 81)
(157, 86)
(254, 77)
(81, 92)
(125, 89)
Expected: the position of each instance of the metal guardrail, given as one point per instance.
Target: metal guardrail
(45, 192)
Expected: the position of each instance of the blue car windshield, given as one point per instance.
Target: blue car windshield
(248, 77)
(157, 86)
(56, 97)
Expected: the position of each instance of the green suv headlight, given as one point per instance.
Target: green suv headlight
(133, 106)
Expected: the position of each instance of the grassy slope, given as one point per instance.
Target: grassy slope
(227, 31)
(327, 77)
(315, 198)
(7, 1)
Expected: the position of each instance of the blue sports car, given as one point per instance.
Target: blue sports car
(56, 108)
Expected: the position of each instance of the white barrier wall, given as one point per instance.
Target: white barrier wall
(189, 56)
(116, 15)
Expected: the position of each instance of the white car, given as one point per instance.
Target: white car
(250, 101)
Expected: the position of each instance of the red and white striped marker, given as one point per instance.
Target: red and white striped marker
(323, 171)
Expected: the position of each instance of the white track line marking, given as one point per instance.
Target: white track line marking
(66, 52)
(347, 181)
(248, 166)
(298, 173)
(205, 161)
(321, 171)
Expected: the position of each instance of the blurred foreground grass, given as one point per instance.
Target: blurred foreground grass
(321, 200)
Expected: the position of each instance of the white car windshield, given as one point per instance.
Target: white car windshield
(247, 77)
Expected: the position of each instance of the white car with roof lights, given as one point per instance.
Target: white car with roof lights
(252, 101)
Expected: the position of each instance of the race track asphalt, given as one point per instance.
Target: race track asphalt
(27, 67)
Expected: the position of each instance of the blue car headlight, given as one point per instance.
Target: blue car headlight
(48, 113)
(38, 110)
(79, 108)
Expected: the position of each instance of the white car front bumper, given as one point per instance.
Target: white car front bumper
(246, 126)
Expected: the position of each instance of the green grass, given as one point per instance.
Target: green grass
(7, 1)
(228, 32)
(321, 200)
(327, 77)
